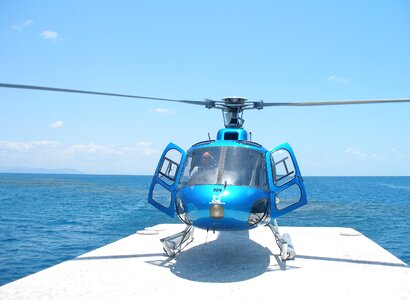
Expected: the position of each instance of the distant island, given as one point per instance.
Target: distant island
(40, 170)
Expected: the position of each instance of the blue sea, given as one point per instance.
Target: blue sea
(47, 219)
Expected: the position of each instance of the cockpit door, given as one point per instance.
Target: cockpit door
(285, 181)
(162, 191)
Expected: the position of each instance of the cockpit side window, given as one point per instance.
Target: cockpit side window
(225, 165)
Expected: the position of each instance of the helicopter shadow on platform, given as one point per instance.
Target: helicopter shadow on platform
(232, 257)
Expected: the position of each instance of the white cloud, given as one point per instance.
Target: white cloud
(355, 152)
(91, 148)
(140, 148)
(143, 144)
(23, 25)
(49, 35)
(26, 146)
(146, 148)
(140, 157)
(362, 155)
(162, 111)
(339, 79)
(57, 124)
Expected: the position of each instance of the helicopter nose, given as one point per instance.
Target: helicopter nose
(231, 207)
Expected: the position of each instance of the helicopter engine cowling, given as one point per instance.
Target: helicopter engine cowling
(219, 207)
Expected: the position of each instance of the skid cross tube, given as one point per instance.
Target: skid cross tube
(177, 242)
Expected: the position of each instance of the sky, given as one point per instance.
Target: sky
(274, 51)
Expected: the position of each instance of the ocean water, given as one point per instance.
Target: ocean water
(47, 219)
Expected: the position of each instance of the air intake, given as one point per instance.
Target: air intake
(232, 134)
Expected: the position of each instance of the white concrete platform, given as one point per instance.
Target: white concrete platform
(331, 263)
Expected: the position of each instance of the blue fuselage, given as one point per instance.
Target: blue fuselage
(237, 203)
(232, 181)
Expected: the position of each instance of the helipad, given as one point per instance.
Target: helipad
(331, 263)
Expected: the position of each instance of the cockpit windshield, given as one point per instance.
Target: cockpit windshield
(225, 165)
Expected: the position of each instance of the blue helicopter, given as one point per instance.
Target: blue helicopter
(230, 183)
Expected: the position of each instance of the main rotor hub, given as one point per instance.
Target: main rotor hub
(232, 109)
(234, 100)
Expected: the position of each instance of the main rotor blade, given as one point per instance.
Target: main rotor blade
(349, 102)
(44, 88)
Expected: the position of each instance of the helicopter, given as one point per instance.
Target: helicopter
(229, 183)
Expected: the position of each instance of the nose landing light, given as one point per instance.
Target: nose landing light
(216, 211)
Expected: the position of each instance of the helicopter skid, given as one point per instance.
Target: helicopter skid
(284, 242)
(177, 242)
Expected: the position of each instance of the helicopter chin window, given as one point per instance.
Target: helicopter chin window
(180, 208)
(258, 211)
